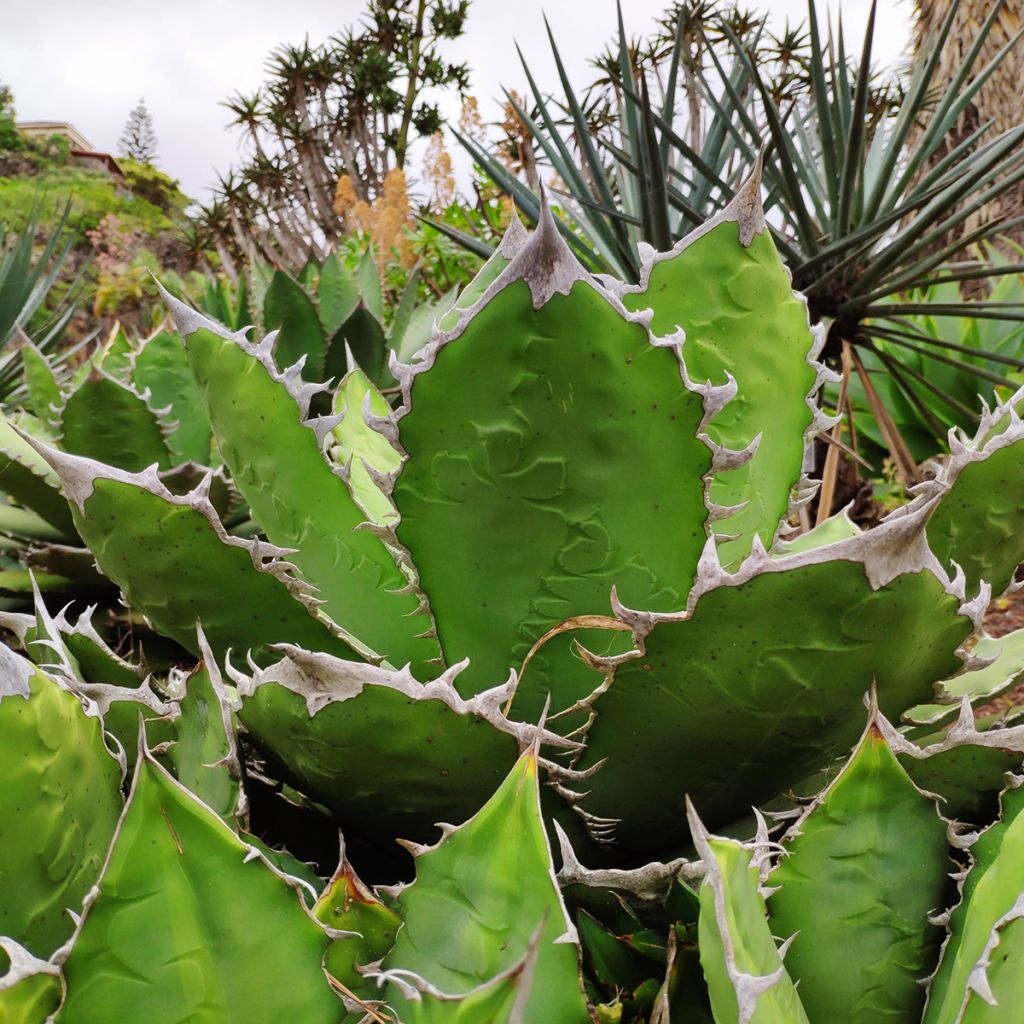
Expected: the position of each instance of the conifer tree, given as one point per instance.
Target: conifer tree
(138, 140)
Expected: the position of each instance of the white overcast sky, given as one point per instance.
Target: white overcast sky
(89, 61)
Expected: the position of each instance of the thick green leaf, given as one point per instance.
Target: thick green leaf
(747, 981)
(529, 443)
(835, 528)
(1006, 665)
(501, 1001)
(287, 308)
(26, 477)
(726, 286)
(363, 336)
(108, 421)
(367, 281)
(161, 365)
(775, 658)
(114, 358)
(43, 390)
(59, 805)
(298, 497)
(187, 926)
(347, 905)
(512, 241)
(991, 899)
(359, 447)
(31, 990)
(977, 522)
(873, 850)
(204, 755)
(337, 295)
(176, 564)
(479, 898)
(388, 755)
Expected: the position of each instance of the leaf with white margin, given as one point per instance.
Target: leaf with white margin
(726, 286)
(1001, 661)
(161, 366)
(747, 981)
(261, 421)
(31, 988)
(991, 898)
(980, 492)
(59, 804)
(388, 754)
(204, 754)
(106, 420)
(365, 454)
(552, 449)
(175, 562)
(872, 849)
(26, 477)
(773, 661)
(479, 898)
(189, 923)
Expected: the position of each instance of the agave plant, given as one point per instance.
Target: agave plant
(867, 197)
(555, 600)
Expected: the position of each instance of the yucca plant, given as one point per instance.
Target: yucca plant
(556, 599)
(27, 278)
(867, 198)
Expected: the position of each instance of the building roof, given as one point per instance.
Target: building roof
(43, 128)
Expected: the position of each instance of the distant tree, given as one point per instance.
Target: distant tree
(138, 140)
(347, 109)
(10, 138)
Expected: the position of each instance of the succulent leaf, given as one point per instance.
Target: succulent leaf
(26, 477)
(787, 647)
(1001, 663)
(360, 448)
(174, 561)
(204, 755)
(183, 914)
(747, 982)
(31, 989)
(59, 805)
(337, 295)
(532, 422)
(161, 366)
(347, 905)
(872, 850)
(288, 309)
(726, 286)
(480, 896)
(278, 464)
(975, 523)
(990, 901)
(106, 420)
(390, 756)
(44, 395)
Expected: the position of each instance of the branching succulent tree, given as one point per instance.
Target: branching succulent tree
(351, 106)
(547, 597)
